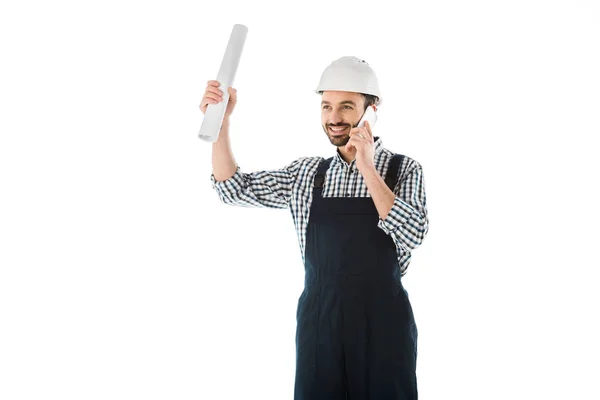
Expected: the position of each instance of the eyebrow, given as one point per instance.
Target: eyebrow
(341, 102)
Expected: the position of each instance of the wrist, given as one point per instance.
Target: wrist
(368, 168)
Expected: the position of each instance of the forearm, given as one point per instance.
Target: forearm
(223, 162)
(381, 194)
(406, 219)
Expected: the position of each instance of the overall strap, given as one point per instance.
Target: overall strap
(391, 176)
(320, 175)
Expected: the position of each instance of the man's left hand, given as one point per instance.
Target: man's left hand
(361, 139)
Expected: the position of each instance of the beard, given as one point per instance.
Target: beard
(339, 140)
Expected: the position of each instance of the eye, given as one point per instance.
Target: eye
(348, 107)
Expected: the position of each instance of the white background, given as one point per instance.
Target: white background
(123, 276)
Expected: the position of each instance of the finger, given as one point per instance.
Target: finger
(213, 96)
(353, 142)
(213, 89)
(206, 102)
(368, 130)
(366, 135)
(357, 135)
(232, 93)
(214, 83)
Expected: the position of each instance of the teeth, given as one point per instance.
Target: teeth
(337, 129)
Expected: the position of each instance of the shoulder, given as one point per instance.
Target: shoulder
(303, 166)
(407, 166)
(312, 161)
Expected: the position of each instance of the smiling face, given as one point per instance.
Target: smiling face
(340, 112)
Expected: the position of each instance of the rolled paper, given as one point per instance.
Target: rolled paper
(213, 117)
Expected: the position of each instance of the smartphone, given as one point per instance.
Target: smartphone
(369, 115)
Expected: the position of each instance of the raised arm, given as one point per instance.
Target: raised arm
(272, 189)
(257, 189)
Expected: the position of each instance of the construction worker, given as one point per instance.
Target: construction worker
(358, 215)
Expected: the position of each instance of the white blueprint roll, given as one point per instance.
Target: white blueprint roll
(213, 118)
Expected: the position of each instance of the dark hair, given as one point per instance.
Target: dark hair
(370, 99)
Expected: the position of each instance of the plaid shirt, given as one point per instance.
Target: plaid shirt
(291, 187)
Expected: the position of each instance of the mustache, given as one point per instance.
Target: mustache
(337, 126)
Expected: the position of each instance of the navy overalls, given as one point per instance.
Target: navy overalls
(356, 336)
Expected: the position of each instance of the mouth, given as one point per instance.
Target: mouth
(338, 130)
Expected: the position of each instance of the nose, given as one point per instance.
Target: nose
(335, 118)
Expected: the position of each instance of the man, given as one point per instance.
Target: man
(356, 333)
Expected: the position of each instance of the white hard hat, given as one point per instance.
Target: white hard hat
(349, 74)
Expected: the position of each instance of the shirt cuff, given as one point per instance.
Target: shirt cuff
(398, 215)
(231, 185)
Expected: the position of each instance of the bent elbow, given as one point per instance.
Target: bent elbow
(416, 231)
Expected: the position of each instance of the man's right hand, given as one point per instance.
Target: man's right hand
(214, 95)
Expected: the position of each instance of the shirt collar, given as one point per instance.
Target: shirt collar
(338, 158)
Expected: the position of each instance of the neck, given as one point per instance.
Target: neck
(347, 156)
